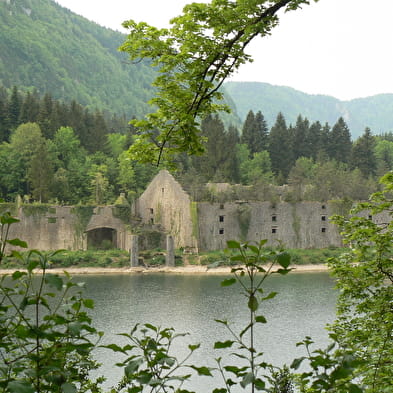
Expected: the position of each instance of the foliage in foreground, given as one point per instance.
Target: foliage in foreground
(46, 334)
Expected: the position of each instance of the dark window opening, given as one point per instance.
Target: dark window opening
(323, 206)
(370, 217)
(151, 210)
(162, 189)
(221, 206)
(323, 230)
(274, 218)
(274, 230)
(152, 221)
(221, 231)
(221, 218)
(323, 218)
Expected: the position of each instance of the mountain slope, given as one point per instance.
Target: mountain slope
(46, 46)
(375, 112)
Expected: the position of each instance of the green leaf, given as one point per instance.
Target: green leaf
(253, 303)
(132, 367)
(20, 387)
(283, 272)
(223, 344)
(54, 280)
(233, 244)
(260, 319)
(202, 370)
(32, 265)
(284, 259)
(228, 282)
(270, 296)
(7, 219)
(354, 389)
(114, 348)
(16, 254)
(17, 243)
(75, 328)
(297, 362)
(68, 388)
(88, 303)
(259, 384)
(17, 275)
(193, 347)
(222, 321)
(151, 327)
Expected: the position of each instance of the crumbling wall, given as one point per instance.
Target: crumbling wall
(296, 225)
(165, 205)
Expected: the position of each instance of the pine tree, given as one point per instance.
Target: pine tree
(4, 131)
(219, 161)
(255, 133)
(14, 108)
(280, 149)
(363, 156)
(314, 140)
(299, 138)
(30, 108)
(45, 116)
(340, 144)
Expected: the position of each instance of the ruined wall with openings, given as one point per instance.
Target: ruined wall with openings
(165, 205)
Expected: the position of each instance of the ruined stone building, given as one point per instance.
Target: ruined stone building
(202, 226)
(165, 208)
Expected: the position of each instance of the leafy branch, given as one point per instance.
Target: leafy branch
(200, 50)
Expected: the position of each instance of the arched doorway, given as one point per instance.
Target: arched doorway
(102, 239)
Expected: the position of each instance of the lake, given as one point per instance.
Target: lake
(191, 303)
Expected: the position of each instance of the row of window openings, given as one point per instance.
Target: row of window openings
(274, 230)
(274, 218)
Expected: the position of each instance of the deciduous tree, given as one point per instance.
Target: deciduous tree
(203, 46)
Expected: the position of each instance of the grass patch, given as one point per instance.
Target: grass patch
(121, 258)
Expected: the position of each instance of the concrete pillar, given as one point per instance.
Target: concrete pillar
(170, 251)
(134, 251)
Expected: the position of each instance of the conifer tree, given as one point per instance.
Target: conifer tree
(255, 133)
(219, 161)
(14, 108)
(299, 138)
(280, 149)
(4, 134)
(45, 116)
(340, 144)
(363, 156)
(314, 140)
(30, 108)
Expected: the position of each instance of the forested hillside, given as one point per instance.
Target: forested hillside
(46, 46)
(66, 95)
(373, 112)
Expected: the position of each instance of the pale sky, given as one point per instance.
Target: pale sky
(341, 48)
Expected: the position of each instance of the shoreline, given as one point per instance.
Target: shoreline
(190, 269)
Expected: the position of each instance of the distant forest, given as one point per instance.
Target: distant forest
(58, 152)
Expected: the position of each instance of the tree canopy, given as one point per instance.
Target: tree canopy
(200, 50)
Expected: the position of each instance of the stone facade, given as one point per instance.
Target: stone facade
(296, 225)
(70, 228)
(165, 209)
(166, 206)
(207, 226)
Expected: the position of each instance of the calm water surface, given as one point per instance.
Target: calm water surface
(191, 303)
